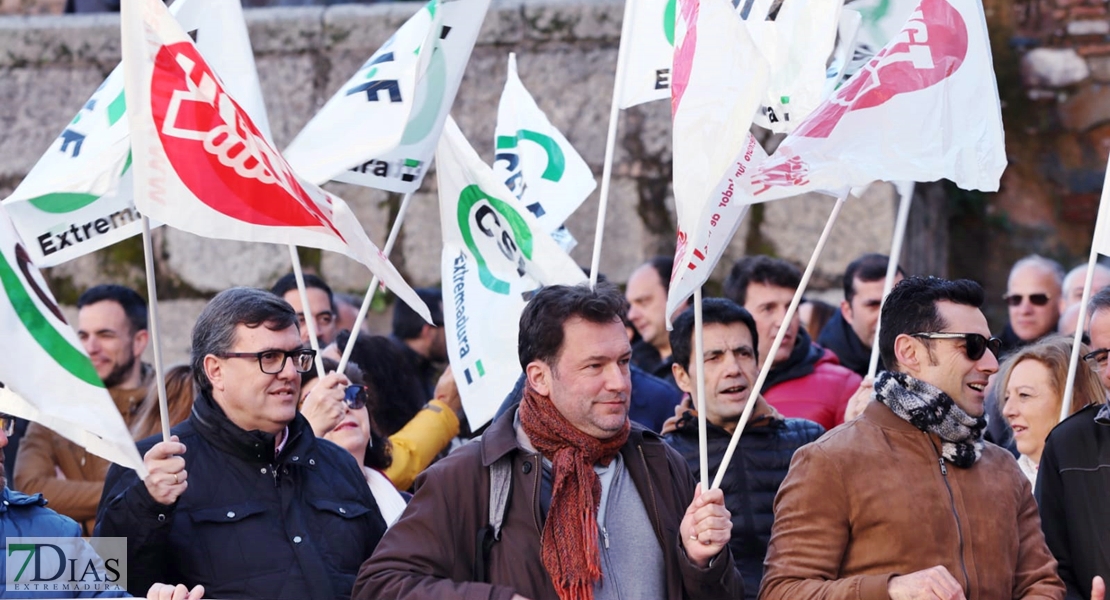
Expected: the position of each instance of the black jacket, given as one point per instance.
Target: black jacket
(837, 335)
(1073, 487)
(758, 467)
(249, 525)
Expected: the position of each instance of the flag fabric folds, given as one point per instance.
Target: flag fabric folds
(79, 197)
(48, 378)
(536, 162)
(402, 168)
(204, 167)
(925, 108)
(495, 256)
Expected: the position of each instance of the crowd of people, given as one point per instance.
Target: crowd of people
(943, 476)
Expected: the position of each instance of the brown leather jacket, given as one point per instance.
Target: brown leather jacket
(43, 454)
(430, 552)
(870, 501)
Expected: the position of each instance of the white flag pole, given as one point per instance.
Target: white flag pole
(370, 291)
(1096, 242)
(309, 319)
(156, 341)
(699, 361)
(770, 358)
(892, 267)
(610, 142)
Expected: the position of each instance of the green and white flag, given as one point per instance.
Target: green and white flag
(402, 169)
(495, 256)
(47, 376)
(648, 45)
(79, 197)
(538, 164)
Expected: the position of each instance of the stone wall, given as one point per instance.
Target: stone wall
(566, 54)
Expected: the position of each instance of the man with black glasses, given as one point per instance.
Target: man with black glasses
(1033, 293)
(243, 499)
(907, 501)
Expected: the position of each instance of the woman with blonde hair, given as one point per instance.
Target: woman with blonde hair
(1033, 380)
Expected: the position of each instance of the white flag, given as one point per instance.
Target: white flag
(648, 43)
(79, 197)
(402, 168)
(204, 166)
(368, 115)
(495, 255)
(48, 378)
(538, 164)
(718, 83)
(925, 108)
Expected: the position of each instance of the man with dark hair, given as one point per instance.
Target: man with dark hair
(112, 326)
(850, 333)
(257, 507)
(1072, 483)
(762, 458)
(907, 501)
(423, 345)
(321, 302)
(806, 381)
(647, 298)
(565, 482)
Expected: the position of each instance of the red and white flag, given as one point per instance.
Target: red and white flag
(924, 108)
(719, 79)
(202, 165)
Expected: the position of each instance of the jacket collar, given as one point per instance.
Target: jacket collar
(881, 415)
(255, 446)
(14, 498)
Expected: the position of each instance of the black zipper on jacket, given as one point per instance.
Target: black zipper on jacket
(955, 513)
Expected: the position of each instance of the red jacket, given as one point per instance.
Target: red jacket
(822, 396)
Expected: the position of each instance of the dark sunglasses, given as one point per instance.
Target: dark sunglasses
(356, 396)
(1036, 299)
(975, 345)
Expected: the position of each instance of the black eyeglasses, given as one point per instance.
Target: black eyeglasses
(1097, 359)
(272, 362)
(974, 344)
(356, 396)
(1036, 299)
(7, 425)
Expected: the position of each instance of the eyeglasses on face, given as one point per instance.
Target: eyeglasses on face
(272, 362)
(975, 345)
(1097, 359)
(356, 396)
(1015, 300)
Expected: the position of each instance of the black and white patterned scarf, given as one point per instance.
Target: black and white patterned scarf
(931, 410)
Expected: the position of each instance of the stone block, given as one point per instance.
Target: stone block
(285, 30)
(1089, 27)
(1100, 68)
(210, 265)
(1053, 67)
(568, 20)
(60, 40)
(1089, 107)
(287, 89)
(369, 205)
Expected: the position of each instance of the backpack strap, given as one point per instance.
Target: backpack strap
(500, 484)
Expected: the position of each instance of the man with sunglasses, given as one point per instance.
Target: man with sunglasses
(907, 501)
(1033, 294)
(244, 499)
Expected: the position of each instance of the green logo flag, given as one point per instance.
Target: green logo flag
(48, 378)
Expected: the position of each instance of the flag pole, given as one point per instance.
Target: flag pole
(770, 358)
(309, 320)
(892, 267)
(156, 340)
(610, 143)
(370, 291)
(699, 360)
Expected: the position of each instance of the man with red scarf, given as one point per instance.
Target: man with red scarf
(597, 507)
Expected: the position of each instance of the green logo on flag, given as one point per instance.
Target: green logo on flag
(423, 122)
(514, 243)
(668, 20)
(69, 358)
(556, 162)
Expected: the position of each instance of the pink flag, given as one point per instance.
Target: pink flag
(202, 166)
(925, 108)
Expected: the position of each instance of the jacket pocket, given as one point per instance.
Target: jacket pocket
(243, 544)
(346, 510)
(226, 514)
(345, 529)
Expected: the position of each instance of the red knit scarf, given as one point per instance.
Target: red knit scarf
(569, 546)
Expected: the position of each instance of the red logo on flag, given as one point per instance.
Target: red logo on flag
(782, 173)
(679, 251)
(217, 151)
(929, 49)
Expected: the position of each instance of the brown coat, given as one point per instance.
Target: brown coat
(43, 453)
(869, 501)
(430, 551)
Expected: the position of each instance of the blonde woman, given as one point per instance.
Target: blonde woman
(1033, 380)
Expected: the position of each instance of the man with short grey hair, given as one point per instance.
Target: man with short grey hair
(257, 507)
(1077, 278)
(1033, 293)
